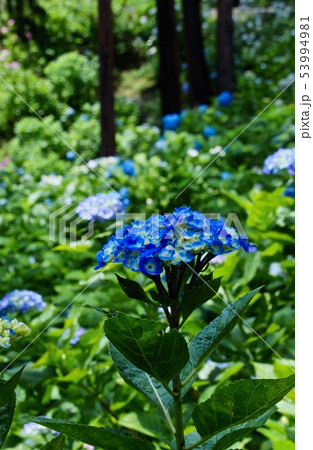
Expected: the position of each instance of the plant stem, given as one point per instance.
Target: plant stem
(178, 414)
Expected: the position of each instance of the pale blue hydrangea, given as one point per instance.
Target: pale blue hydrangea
(282, 159)
(202, 108)
(112, 163)
(31, 428)
(21, 301)
(101, 207)
(70, 155)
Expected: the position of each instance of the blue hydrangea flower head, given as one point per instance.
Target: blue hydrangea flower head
(209, 131)
(70, 155)
(290, 192)
(21, 301)
(128, 167)
(225, 98)
(101, 207)
(170, 239)
(170, 122)
(161, 144)
(70, 111)
(282, 159)
(202, 108)
(225, 175)
(185, 87)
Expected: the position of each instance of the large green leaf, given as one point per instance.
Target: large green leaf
(56, 443)
(239, 402)
(96, 436)
(198, 295)
(229, 436)
(7, 404)
(133, 289)
(203, 344)
(140, 380)
(145, 344)
(6, 415)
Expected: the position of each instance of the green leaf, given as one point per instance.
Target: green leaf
(7, 387)
(196, 296)
(229, 436)
(6, 414)
(239, 402)
(140, 380)
(133, 289)
(56, 443)
(7, 403)
(144, 343)
(162, 299)
(203, 344)
(96, 436)
(284, 445)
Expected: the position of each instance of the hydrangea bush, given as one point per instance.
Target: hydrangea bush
(174, 252)
(21, 301)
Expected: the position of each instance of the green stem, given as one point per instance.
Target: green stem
(178, 414)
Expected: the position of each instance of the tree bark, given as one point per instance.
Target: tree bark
(107, 147)
(169, 60)
(225, 51)
(198, 75)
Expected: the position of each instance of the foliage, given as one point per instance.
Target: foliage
(82, 379)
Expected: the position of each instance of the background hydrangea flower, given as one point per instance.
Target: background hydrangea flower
(282, 159)
(70, 155)
(289, 192)
(150, 245)
(21, 301)
(128, 167)
(170, 122)
(225, 98)
(32, 428)
(202, 108)
(10, 330)
(110, 163)
(101, 207)
(209, 131)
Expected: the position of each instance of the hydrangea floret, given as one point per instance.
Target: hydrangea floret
(209, 131)
(11, 330)
(21, 301)
(185, 236)
(170, 122)
(282, 159)
(101, 207)
(225, 98)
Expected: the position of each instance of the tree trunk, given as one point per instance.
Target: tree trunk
(169, 60)
(225, 53)
(198, 76)
(107, 147)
